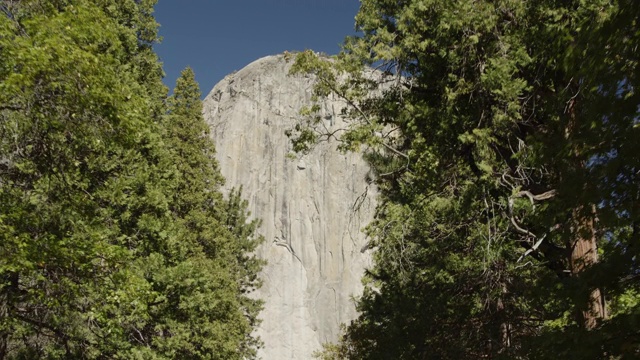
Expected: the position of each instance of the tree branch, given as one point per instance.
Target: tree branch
(362, 113)
(533, 248)
(544, 196)
(520, 229)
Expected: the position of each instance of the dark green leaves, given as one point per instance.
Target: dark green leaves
(501, 134)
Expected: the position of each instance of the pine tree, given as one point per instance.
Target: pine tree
(215, 230)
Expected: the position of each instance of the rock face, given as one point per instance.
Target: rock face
(313, 207)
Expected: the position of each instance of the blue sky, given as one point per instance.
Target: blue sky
(217, 37)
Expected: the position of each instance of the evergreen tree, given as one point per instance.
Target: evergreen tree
(217, 228)
(502, 134)
(79, 184)
(114, 239)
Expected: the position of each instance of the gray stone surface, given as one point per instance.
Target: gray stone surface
(313, 206)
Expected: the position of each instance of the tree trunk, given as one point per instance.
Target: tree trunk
(582, 244)
(584, 253)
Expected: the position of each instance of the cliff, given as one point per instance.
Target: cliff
(313, 206)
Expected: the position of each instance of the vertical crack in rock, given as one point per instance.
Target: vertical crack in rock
(286, 245)
(313, 206)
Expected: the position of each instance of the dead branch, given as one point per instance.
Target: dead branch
(533, 248)
(544, 196)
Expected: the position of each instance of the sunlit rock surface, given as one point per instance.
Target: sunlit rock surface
(313, 207)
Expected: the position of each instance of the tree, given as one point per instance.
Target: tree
(76, 183)
(104, 250)
(501, 135)
(220, 231)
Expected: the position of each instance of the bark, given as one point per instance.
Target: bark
(583, 244)
(500, 345)
(584, 253)
(505, 326)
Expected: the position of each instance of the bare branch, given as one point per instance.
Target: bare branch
(395, 151)
(544, 196)
(515, 223)
(533, 248)
(520, 229)
(525, 264)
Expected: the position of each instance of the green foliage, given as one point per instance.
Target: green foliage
(115, 241)
(503, 138)
(218, 227)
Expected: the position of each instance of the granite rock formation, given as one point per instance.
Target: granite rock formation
(313, 206)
